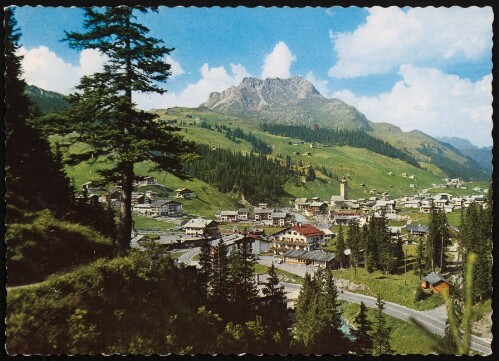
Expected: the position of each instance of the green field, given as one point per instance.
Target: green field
(146, 223)
(285, 276)
(391, 288)
(405, 338)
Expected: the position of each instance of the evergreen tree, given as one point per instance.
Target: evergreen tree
(363, 340)
(103, 115)
(219, 295)
(354, 243)
(302, 329)
(205, 273)
(35, 177)
(381, 332)
(274, 312)
(438, 238)
(340, 248)
(243, 286)
(398, 254)
(421, 263)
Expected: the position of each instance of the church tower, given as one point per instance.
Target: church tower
(344, 188)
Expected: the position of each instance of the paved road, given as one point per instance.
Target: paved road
(188, 256)
(434, 319)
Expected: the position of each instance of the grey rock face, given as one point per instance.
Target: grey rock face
(289, 101)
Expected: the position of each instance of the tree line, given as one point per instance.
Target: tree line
(339, 137)
(468, 171)
(255, 176)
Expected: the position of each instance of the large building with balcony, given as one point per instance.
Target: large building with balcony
(299, 237)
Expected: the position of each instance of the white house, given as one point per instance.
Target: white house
(301, 237)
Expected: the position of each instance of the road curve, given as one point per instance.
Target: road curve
(188, 256)
(434, 324)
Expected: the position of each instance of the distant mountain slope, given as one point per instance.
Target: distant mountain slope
(295, 101)
(288, 101)
(482, 156)
(47, 101)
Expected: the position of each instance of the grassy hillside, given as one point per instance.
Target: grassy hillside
(358, 165)
(364, 169)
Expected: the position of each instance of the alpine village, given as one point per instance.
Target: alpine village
(297, 227)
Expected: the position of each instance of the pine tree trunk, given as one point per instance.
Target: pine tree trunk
(125, 223)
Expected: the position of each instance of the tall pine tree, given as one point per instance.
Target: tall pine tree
(103, 116)
(381, 331)
(340, 248)
(363, 339)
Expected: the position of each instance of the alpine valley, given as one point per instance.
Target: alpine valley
(318, 140)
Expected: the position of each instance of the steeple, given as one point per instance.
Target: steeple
(344, 188)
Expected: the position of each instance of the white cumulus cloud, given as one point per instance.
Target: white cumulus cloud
(391, 36)
(434, 102)
(45, 69)
(176, 68)
(214, 79)
(278, 63)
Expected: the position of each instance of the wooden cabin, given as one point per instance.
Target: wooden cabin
(434, 283)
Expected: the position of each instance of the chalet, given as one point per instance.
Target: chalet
(280, 219)
(417, 229)
(441, 203)
(202, 227)
(183, 193)
(151, 194)
(166, 207)
(243, 214)
(384, 206)
(457, 202)
(138, 198)
(434, 283)
(477, 189)
(480, 199)
(147, 181)
(344, 217)
(110, 196)
(218, 214)
(301, 204)
(337, 200)
(141, 208)
(263, 205)
(299, 237)
(316, 208)
(404, 175)
(328, 234)
(425, 208)
(412, 177)
(262, 214)
(315, 257)
(414, 203)
(229, 216)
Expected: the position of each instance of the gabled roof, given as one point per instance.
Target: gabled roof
(417, 228)
(317, 255)
(243, 210)
(183, 190)
(337, 198)
(301, 200)
(228, 213)
(434, 278)
(308, 230)
(318, 204)
(199, 223)
(279, 214)
(262, 210)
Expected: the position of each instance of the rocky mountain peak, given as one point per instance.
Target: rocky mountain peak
(292, 101)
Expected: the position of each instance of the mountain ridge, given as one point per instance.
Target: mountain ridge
(289, 101)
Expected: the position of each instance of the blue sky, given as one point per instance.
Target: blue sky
(427, 68)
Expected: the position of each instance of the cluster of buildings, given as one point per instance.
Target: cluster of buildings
(145, 203)
(443, 201)
(261, 214)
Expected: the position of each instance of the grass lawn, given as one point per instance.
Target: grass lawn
(197, 257)
(391, 287)
(151, 223)
(177, 254)
(286, 276)
(405, 337)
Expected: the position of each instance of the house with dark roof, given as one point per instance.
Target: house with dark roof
(417, 229)
(434, 283)
(243, 214)
(298, 237)
(183, 193)
(166, 207)
(317, 258)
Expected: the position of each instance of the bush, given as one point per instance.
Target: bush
(43, 244)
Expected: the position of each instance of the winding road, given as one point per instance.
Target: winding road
(434, 319)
